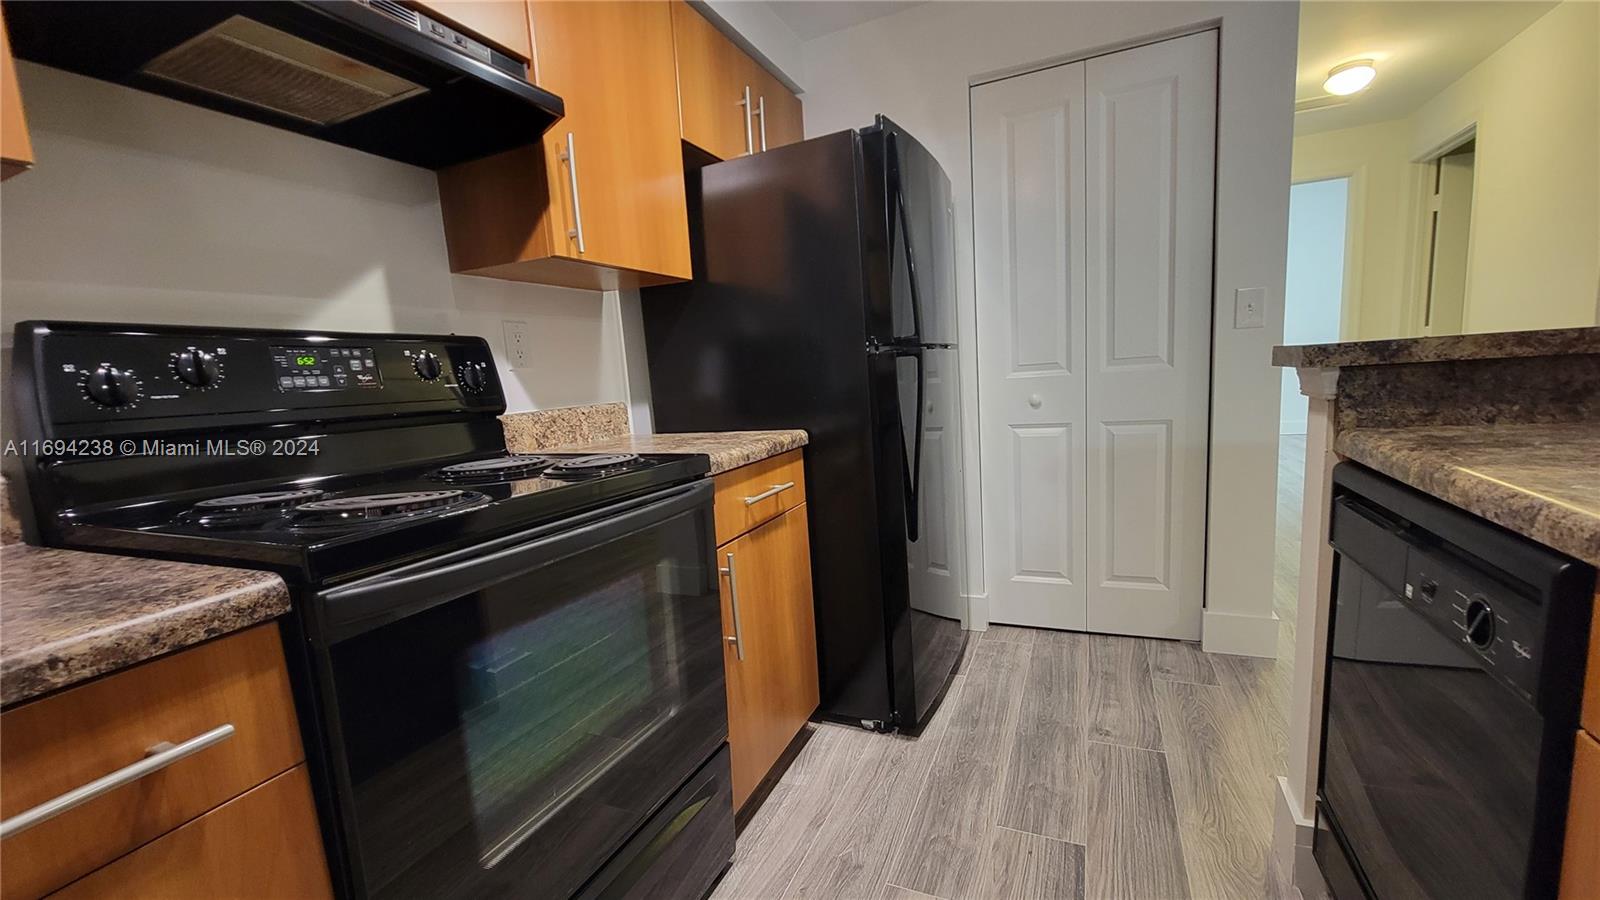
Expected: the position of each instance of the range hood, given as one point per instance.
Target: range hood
(370, 74)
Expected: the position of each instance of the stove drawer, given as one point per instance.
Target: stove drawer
(54, 745)
(753, 494)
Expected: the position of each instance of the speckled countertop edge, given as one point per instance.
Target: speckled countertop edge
(1541, 481)
(726, 449)
(67, 616)
(1494, 345)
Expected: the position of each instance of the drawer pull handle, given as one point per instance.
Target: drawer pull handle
(773, 491)
(737, 640)
(156, 758)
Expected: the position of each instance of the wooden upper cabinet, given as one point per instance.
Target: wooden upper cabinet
(16, 150)
(714, 79)
(780, 109)
(611, 212)
(503, 23)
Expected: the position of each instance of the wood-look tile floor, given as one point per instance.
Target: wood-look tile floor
(1060, 765)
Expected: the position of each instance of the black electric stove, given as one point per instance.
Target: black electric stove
(508, 667)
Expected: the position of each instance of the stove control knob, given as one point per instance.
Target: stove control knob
(427, 366)
(472, 377)
(1480, 623)
(110, 386)
(197, 368)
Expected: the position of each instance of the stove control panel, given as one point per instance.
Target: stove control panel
(312, 368)
(93, 379)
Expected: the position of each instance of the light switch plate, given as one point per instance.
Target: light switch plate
(1250, 308)
(519, 354)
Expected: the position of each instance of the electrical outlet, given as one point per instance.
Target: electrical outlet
(518, 352)
(1250, 308)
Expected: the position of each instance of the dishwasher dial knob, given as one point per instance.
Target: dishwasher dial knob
(110, 386)
(197, 368)
(1480, 623)
(472, 377)
(427, 366)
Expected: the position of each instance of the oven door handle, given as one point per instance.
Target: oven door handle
(360, 607)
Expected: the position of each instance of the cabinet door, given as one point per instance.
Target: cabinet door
(621, 189)
(772, 691)
(1580, 865)
(781, 116)
(16, 150)
(503, 23)
(713, 74)
(264, 843)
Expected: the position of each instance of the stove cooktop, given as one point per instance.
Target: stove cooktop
(328, 528)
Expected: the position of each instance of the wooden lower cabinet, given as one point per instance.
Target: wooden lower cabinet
(234, 694)
(1580, 862)
(766, 605)
(264, 843)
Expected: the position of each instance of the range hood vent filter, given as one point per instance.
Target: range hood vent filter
(246, 61)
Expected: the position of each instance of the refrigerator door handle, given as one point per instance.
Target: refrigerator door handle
(911, 473)
(898, 211)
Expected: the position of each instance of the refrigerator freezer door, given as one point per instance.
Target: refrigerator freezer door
(920, 226)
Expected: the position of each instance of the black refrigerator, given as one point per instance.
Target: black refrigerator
(824, 298)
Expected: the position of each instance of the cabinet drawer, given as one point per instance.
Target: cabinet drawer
(767, 480)
(262, 844)
(1580, 863)
(54, 745)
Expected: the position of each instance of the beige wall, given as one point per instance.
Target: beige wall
(916, 67)
(1535, 242)
(1535, 254)
(143, 209)
(1378, 219)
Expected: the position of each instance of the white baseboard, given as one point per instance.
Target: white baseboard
(977, 612)
(1239, 635)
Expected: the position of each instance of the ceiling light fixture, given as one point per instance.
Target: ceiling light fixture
(1348, 78)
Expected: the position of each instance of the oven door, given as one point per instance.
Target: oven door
(504, 718)
(1430, 765)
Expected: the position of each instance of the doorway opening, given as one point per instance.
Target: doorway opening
(1313, 291)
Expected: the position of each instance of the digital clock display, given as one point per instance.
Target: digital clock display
(326, 368)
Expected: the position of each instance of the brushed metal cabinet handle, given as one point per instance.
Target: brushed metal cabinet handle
(571, 157)
(737, 640)
(749, 135)
(156, 758)
(761, 110)
(769, 492)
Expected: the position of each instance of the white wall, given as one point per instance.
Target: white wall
(916, 66)
(143, 209)
(1314, 281)
(1535, 255)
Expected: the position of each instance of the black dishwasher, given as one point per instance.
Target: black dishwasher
(1455, 671)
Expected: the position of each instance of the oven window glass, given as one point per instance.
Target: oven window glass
(511, 739)
(1430, 764)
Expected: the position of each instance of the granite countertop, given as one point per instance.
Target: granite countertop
(67, 616)
(727, 449)
(1496, 345)
(1539, 480)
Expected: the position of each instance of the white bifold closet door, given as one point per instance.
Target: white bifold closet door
(1092, 200)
